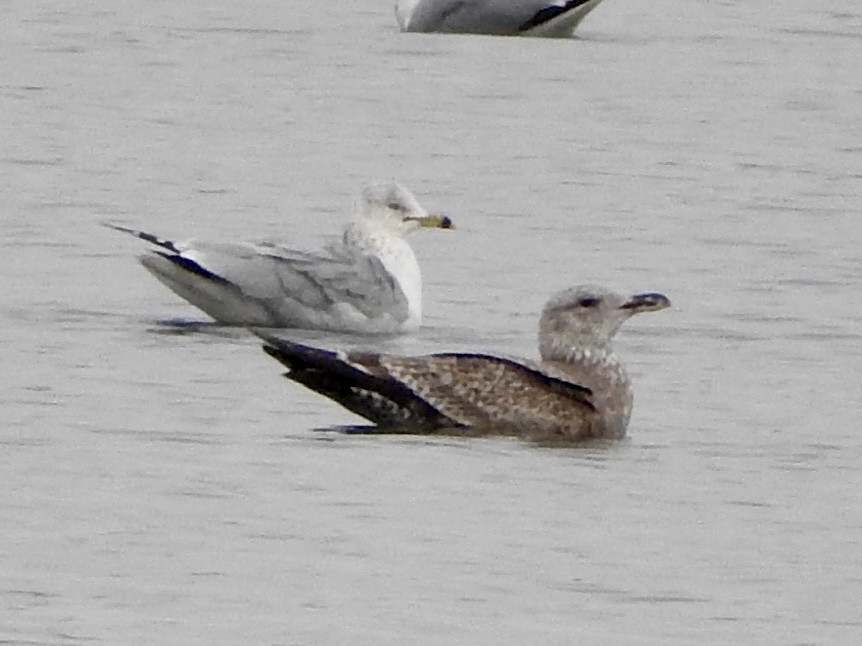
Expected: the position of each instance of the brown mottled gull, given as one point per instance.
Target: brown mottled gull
(579, 389)
(368, 283)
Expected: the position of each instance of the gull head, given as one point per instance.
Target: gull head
(394, 207)
(588, 317)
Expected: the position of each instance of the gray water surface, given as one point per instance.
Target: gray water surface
(162, 484)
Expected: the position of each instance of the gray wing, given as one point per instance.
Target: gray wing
(315, 281)
(267, 284)
(322, 279)
(501, 17)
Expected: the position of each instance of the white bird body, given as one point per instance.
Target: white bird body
(368, 282)
(543, 18)
(397, 256)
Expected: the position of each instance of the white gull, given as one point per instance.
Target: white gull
(545, 18)
(368, 282)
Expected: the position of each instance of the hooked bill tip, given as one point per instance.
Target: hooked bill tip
(646, 302)
(435, 221)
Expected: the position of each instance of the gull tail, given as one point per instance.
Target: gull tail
(175, 257)
(143, 235)
(358, 383)
(558, 19)
(180, 270)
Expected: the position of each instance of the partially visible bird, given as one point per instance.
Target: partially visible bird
(368, 282)
(579, 390)
(546, 18)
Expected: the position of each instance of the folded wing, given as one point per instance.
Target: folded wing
(268, 285)
(440, 390)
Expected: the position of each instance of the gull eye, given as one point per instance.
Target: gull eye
(395, 206)
(588, 301)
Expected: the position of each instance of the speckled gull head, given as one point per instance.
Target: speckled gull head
(395, 208)
(587, 318)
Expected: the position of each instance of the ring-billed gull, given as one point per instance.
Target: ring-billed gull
(546, 18)
(579, 389)
(368, 282)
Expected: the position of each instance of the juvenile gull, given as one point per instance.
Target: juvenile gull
(547, 18)
(368, 282)
(578, 390)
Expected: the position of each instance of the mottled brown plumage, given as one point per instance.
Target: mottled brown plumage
(579, 390)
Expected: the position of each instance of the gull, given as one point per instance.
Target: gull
(368, 282)
(578, 390)
(547, 18)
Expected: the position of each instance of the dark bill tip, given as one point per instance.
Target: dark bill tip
(646, 303)
(434, 221)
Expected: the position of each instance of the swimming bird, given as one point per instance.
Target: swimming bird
(368, 282)
(546, 18)
(577, 391)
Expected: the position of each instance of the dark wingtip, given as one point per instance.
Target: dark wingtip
(273, 345)
(547, 14)
(270, 349)
(280, 350)
(118, 227)
(298, 356)
(143, 235)
(191, 266)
